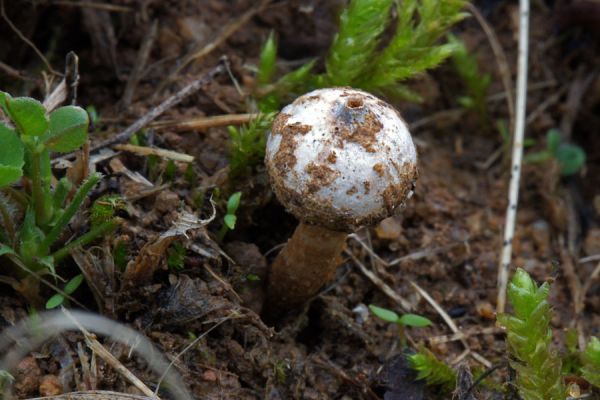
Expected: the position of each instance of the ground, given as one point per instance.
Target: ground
(445, 243)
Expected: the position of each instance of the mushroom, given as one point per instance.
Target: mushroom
(337, 159)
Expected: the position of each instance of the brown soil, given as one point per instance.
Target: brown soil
(447, 239)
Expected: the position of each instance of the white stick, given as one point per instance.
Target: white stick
(517, 155)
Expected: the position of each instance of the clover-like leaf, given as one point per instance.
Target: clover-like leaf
(11, 156)
(68, 129)
(28, 115)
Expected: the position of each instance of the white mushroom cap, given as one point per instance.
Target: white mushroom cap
(341, 158)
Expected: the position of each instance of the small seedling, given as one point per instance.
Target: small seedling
(411, 320)
(529, 339)
(432, 370)
(248, 144)
(230, 219)
(591, 362)
(47, 207)
(71, 286)
(570, 157)
(176, 256)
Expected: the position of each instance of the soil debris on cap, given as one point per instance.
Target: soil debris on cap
(362, 128)
(320, 176)
(379, 169)
(285, 158)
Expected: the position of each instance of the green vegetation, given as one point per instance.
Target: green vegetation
(432, 370)
(476, 83)
(69, 288)
(230, 219)
(248, 144)
(402, 322)
(570, 157)
(359, 57)
(33, 219)
(590, 370)
(176, 256)
(529, 339)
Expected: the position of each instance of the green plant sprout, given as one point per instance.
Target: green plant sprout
(359, 57)
(230, 219)
(47, 208)
(412, 320)
(176, 256)
(248, 144)
(475, 82)
(71, 286)
(529, 338)
(432, 370)
(591, 362)
(570, 157)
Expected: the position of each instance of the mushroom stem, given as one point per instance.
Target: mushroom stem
(306, 263)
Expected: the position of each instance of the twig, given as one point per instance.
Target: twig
(517, 156)
(154, 151)
(450, 324)
(388, 291)
(154, 113)
(10, 71)
(202, 123)
(501, 60)
(198, 53)
(25, 39)
(111, 360)
(162, 107)
(94, 395)
(140, 64)
(186, 348)
(93, 4)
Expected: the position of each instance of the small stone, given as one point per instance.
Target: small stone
(166, 201)
(209, 376)
(389, 229)
(27, 377)
(50, 386)
(486, 310)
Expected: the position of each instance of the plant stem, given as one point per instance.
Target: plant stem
(36, 187)
(70, 211)
(222, 232)
(90, 236)
(7, 221)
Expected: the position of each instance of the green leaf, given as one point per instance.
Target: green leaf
(68, 129)
(414, 320)
(73, 284)
(384, 314)
(48, 262)
(28, 115)
(54, 301)
(553, 140)
(3, 97)
(268, 56)
(12, 156)
(234, 202)
(570, 157)
(230, 221)
(4, 249)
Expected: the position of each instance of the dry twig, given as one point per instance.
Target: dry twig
(95, 395)
(202, 123)
(517, 157)
(154, 151)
